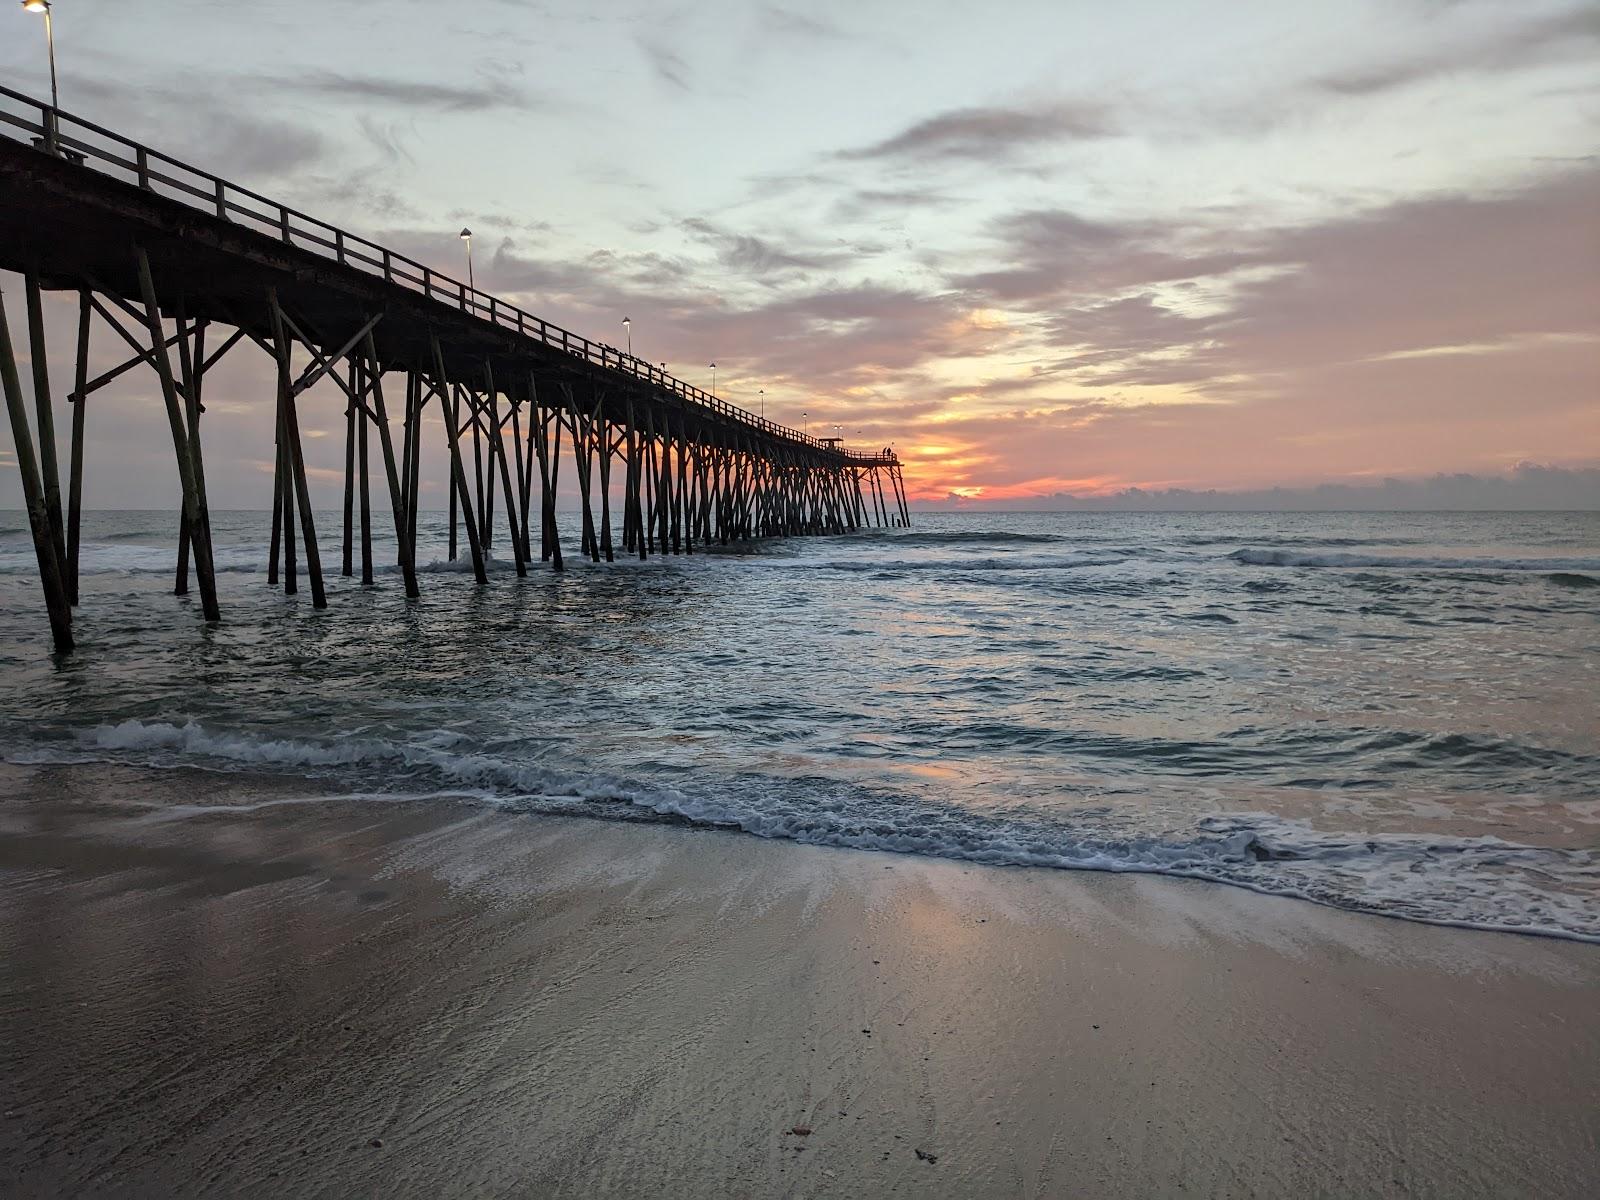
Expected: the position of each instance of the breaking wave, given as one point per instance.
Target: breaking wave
(1476, 882)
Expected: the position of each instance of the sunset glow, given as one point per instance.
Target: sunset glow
(1303, 244)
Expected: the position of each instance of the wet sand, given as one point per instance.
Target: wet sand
(225, 986)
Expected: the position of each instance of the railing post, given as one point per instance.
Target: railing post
(222, 200)
(283, 223)
(338, 244)
(427, 281)
(388, 268)
(141, 158)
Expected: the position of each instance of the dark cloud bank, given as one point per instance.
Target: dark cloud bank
(1528, 488)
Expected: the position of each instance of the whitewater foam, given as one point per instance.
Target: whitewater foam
(1482, 882)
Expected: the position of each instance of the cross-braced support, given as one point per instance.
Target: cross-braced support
(196, 518)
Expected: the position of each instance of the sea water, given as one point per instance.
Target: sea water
(1393, 713)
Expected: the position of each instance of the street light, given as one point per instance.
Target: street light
(763, 404)
(628, 325)
(713, 379)
(43, 6)
(805, 428)
(466, 236)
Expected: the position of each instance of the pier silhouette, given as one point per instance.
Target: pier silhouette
(183, 267)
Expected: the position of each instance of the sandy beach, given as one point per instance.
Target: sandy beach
(221, 985)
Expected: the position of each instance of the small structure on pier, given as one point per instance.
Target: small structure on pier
(169, 258)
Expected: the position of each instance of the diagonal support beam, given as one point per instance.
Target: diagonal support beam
(325, 363)
(194, 508)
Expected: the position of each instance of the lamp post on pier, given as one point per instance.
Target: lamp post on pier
(43, 6)
(627, 325)
(763, 394)
(713, 379)
(466, 236)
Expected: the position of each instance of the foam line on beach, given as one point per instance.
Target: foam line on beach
(1473, 882)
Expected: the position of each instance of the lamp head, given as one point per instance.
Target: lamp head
(627, 321)
(36, 5)
(466, 235)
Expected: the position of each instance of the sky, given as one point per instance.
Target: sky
(1046, 250)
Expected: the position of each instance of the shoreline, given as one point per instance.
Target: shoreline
(241, 998)
(272, 764)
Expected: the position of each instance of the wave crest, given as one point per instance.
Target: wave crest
(1476, 882)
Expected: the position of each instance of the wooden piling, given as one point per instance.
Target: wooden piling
(447, 401)
(606, 451)
(347, 563)
(363, 474)
(57, 602)
(38, 360)
(497, 451)
(75, 467)
(193, 501)
(295, 457)
(405, 550)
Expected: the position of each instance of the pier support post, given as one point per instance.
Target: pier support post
(194, 507)
(404, 549)
(497, 450)
(294, 456)
(452, 419)
(38, 356)
(607, 449)
(192, 363)
(413, 460)
(79, 399)
(549, 462)
(347, 564)
(521, 493)
(56, 600)
(364, 474)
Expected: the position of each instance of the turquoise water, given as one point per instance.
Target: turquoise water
(1394, 713)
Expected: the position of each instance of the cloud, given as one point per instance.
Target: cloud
(252, 147)
(387, 138)
(783, 21)
(1547, 38)
(1149, 304)
(442, 97)
(754, 256)
(989, 134)
(669, 66)
(1056, 253)
(879, 204)
(1528, 487)
(230, 142)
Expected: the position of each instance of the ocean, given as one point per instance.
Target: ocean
(1391, 713)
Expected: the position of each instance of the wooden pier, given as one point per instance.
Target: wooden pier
(183, 268)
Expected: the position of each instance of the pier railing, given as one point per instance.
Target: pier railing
(93, 146)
